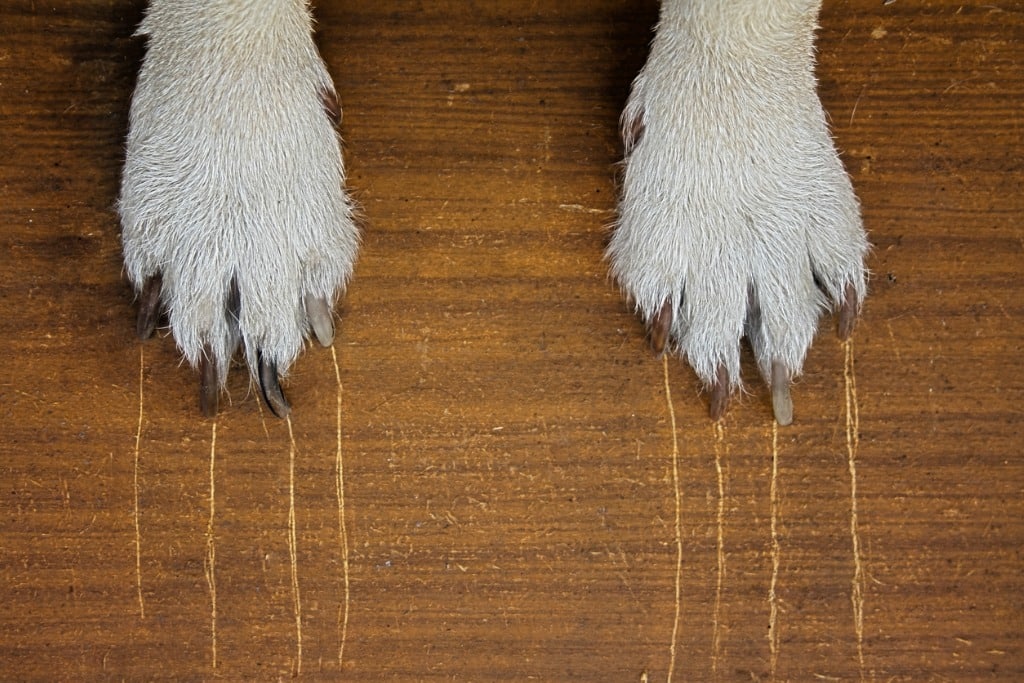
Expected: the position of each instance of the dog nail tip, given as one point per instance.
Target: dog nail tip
(208, 407)
(631, 131)
(320, 320)
(209, 384)
(329, 100)
(847, 313)
(270, 387)
(661, 328)
(149, 307)
(782, 400)
(719, 395)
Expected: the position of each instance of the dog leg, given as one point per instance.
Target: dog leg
(736, 216)
(234, 216)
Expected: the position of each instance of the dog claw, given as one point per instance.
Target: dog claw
(329, 100)
(719, 394)
(149, 307)
(631, 130)
(319, 314)
(782, 402)
(270, 386)
(848, 312)
(661, 327)
(209, 384)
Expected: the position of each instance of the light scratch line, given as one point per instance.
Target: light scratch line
(135, 491)
(342, 530)
(679, 520)
(716, 641)
(263, 419)
(211, 548)
(852, 444)
(773, 603)
(292, 550)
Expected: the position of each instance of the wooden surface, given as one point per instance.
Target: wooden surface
(527, 493)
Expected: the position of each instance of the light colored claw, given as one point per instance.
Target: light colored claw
(782, 402)
(320, 320)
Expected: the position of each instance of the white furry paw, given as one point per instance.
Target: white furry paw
(234, 216)
(736, 216)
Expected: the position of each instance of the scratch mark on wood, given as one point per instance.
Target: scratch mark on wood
(342, 530)
(716, 640)
(773, 602)
(292, 550)
(135, 492)
(895, 346)
(579, 208)
(211, 549)
(263, 419)
(853, 112)
(679, 518)
(852, 444)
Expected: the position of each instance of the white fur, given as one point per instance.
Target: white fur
(734, 198)
(234, 172)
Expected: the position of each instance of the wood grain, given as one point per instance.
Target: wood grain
(526, 493)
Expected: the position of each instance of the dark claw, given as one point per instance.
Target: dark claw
(331, 107)
(632, 131)
(848, 312)
(782, 402)
(661, 327)
(719, 394)
(209, 384)
(319, 314)
(271, 388)
(149, 307)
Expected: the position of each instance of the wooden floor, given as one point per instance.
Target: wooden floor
(489, 477)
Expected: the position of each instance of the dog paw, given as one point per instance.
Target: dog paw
(235, 222)
(736, 216)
